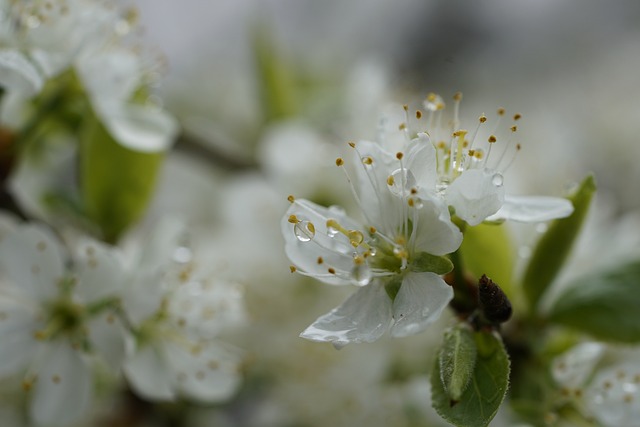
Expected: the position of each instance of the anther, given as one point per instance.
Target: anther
(372, 230)
(399, 155)
(517, 116)
(339, 161)
(367, 160)
(292, 268)
(331, 270)
(514, 128)
(482, 118)
(418, 114)
(457, 96)
(402, 126)
(293, 219)
(492, 139)
(291, 199)
(320, 260)
(501, 111)
(405, 107)
(390, 180)
(352, 144)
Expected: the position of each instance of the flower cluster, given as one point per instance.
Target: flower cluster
(155, 315)
(396, 250)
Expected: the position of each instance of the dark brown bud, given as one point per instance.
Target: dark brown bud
(494, 304)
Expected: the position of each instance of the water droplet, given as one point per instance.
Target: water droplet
(497, 179)
(304, 231)
(361, 274)
(418, 203)
(373, 251)
(355, 238)
(402, 183)
(332, 231)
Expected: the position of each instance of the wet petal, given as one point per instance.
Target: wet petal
(64, 387)
(572, 368)
(322, 252)
(107, 335)
(475, 196)
(18, 74)
(17, 326)
(421, 300)
(421, 160)
(100, 271)
(435, 233)
(532, 209)
(363, 317)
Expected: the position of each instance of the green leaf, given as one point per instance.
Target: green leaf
(432, 263)
(555, 245)
(116, 183)
(604, 305)
(457, 360)
(481, 399)
(487, 249)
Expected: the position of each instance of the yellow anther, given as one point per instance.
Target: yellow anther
(472, 152)
(293, 219)
(465, 143)
(410, 202)
(352, 144)
(320, 260)
(367, 160)
(442, 145)
(431, 97)
(311, 228)
(339, 161)
(372, 230)
(514, 128)
(402, 126)
(358, 260)
(478, 154)
(492, 139)
(405, 107)
(291, 199)
(518, 147)
(482, 118)
(517, 116)
(414, 190)
(399, 155)
(457, 96)
(390, 180)
(331, 270)
(355, 238)
(501, 111)
(418, 114)
(292, 268)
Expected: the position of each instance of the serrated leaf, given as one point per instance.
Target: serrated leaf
(116, 182)
(487, 388)
(487, 249)
(555, 245)
(433, 263)
(603, 305)
(457, 361)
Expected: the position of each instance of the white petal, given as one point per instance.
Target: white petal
(18, 74)
(32, 260)
(143, 295)
(17, 326)
(139, 128)
(64, 387)
(208, 372)
(420, 301)
(532, 209)
(100, 271)
(572, 368)
(157, 248)
(363, 317)
(613, 396)
(107, 335)
(421, 160)
(334, 252)
(474, 195)
(148, 375)
(434, 232)
(112, 74)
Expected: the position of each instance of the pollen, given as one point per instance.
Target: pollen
(339, 161)
(291, 199)
(293, 219)
(292, 268)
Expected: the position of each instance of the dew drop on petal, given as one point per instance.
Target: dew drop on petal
(361, 274)
(304, 231)
(497, 179)
(418, 204)
(373, 251)
(332, 231)
(402, 183)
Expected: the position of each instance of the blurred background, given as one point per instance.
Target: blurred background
(268, 91)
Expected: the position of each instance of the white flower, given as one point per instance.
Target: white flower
(52, 322)
(177, 310)
(394, 253)
(45, 39)
(452, 162)
(604, 388)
